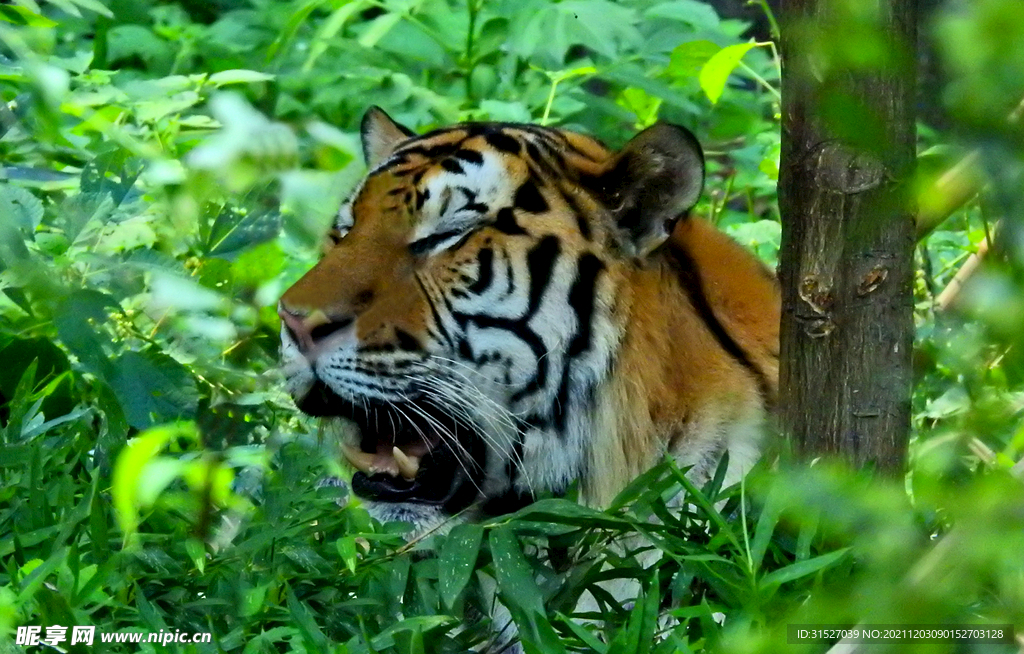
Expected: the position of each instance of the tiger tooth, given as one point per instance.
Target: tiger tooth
(408, 465)
(361, 461)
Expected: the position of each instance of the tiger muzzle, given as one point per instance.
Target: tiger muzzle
(407, 452)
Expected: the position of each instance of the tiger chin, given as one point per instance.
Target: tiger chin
(508, 309)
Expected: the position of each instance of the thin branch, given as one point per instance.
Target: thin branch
(948, 193)
(949, 294)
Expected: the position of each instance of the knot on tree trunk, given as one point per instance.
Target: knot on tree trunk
(841, 169)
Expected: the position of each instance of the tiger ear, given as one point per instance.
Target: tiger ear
(381, 135)
(651, 184)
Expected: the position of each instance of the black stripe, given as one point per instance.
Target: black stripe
(407, 341)
(534, 421)
(429, 151)
(469, 156)
(465, 351)
(522, 331)
(452, 165)
(505, 222)
(485, 272)
(552, 150)
(540, 261)
(442, 331)
(510, 277)
(427, 243)
(581, 299)
(503, 142)
(534, 152)
(581, 218)
(529, 198)
(689, 277)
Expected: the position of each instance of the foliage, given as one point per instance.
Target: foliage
(167, 170)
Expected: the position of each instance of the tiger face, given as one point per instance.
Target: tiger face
(505, 309)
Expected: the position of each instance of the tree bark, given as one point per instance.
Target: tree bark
(846, 260)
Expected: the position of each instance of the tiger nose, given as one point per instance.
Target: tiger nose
(308, 329)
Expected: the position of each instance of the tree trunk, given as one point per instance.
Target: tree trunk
(846, 261)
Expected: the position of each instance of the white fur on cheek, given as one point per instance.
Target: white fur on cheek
(298, 373)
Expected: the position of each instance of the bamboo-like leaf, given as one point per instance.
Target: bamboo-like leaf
(457, 559)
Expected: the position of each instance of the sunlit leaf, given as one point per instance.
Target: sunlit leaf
(131, 468)
(239, 76)
(719, 67)
(23, 16)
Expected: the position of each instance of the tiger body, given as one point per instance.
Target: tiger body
(506, 309)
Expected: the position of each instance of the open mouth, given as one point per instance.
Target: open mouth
(408, 451)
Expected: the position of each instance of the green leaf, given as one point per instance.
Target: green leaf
(152, 387)
(514, 575)
(699, 15)
(348, 552)
(131, 467)
(769, 167)
(79, 319)
(417, 624)
(24, 16)
(42, 428)
(378, 28)
(305, 621)
(233, 231)
(801, 569)
(252, 600)
(769, 517)
(296, 20)
(93, 5)
(457, 559)
(126, 41)
(197, 552)
(78, 210)
(585, 636)
(238, 76)
(953, 402)
(607, 27)
(566, 512)
(158, 475)
(521, 594)
(19, 206)
(687, 59)
(716, 71)
(642, 625)
(112, 171)
(329, 29)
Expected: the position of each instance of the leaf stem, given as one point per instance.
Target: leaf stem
(760, 80)
(773, 25)
(473, 9)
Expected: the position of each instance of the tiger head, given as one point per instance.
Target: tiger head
(479, 314)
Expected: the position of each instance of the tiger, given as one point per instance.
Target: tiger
(506, 310)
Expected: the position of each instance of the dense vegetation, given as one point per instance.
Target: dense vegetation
(167, 169)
